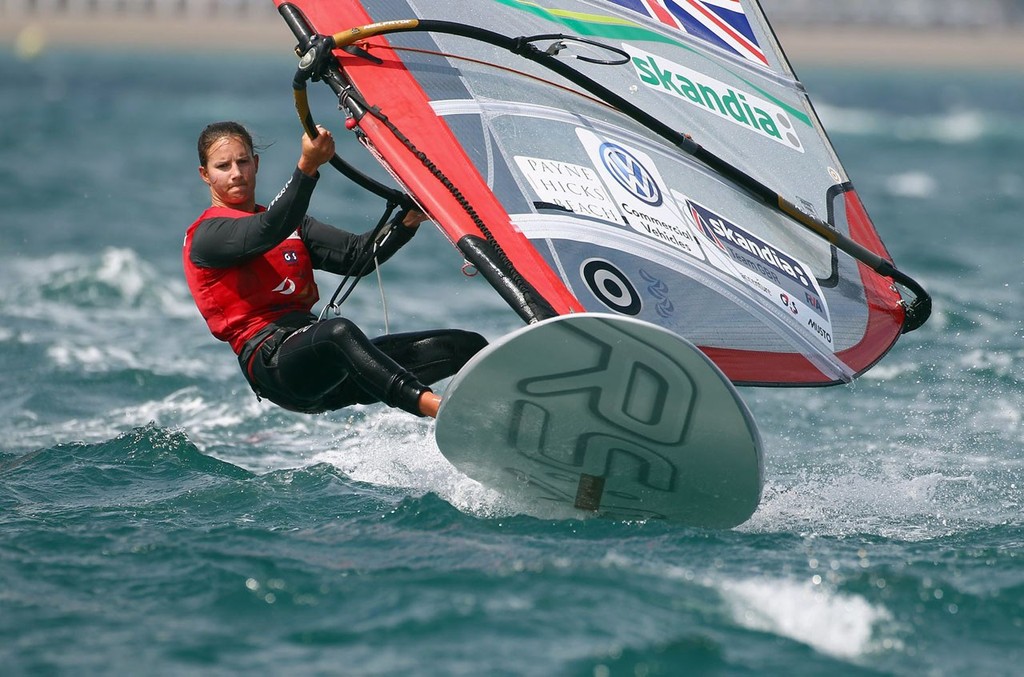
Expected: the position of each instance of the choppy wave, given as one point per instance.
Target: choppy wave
(110, 281)
(836, 624)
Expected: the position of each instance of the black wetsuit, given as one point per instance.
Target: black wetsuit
(312, 366)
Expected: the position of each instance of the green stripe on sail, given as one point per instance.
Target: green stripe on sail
(594, 25)
(603, 26)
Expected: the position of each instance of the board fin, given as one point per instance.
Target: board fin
(589, 492)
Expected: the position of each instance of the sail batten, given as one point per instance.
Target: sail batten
(581, 206)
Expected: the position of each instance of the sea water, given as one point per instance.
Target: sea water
(155, 518)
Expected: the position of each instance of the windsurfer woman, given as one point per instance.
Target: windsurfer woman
(250, 270)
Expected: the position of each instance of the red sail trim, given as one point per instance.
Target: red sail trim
(885, 311)
(883, 327)
(748, 367)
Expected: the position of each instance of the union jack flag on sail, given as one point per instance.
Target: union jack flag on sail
(719, 22)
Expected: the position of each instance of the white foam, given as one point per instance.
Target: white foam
(887, 372)
(999, 414)
(391, 448)
(840, 625)
(1000, 363)
(184, 408)
(122, 269)
(919, 185)
(893, 503)
(857, 121)
(959, 126)
(92, 359)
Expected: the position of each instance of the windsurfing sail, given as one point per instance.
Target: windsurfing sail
(653, 158)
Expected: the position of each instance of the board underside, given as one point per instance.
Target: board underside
(609, 415)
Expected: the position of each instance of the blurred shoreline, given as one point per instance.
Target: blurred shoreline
(807, 46)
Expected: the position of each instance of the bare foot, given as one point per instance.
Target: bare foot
(429, 404)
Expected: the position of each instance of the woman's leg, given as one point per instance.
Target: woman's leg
(432, 355)
(332, 364)
(311, 363)
(429, 355)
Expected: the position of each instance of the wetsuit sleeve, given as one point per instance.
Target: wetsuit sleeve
(223, 242)
(343, 253)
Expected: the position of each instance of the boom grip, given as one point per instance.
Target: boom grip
(298, 24)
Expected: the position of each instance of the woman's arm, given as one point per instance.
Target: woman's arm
(222, 242)
(340, 252)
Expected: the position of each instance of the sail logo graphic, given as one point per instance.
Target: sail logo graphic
(633, 180)
(630, 173)
(782, 279)
(748, 249)
(611, 286)
(716, 97)
(722, 23)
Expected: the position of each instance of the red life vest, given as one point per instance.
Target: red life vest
(239, 301)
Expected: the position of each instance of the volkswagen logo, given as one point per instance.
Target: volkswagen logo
(630, 173)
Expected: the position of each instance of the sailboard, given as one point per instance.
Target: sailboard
(607, 415)
(653, 159)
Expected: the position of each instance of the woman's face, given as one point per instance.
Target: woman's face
(230, 171)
